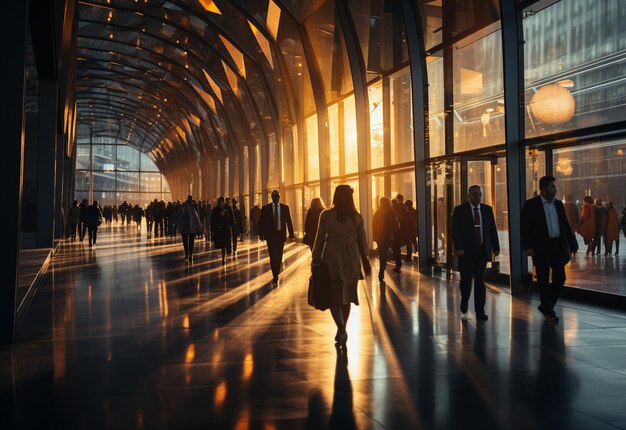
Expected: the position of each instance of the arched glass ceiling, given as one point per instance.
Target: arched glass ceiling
(172, 77)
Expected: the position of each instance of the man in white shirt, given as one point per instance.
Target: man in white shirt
(274, 221)
(548, 238)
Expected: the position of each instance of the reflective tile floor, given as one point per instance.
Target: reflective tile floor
(130, 336)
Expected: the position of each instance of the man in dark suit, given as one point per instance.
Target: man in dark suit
(549, 240)
(475, 239)
(273, 223)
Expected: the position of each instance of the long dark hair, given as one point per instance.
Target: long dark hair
(343, 203)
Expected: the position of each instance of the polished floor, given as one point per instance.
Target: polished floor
(130, 336)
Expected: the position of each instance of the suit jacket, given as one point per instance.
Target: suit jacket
(267, 228)
(535, 229)
(463, 233)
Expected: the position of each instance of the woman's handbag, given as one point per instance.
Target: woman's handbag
(319, 284)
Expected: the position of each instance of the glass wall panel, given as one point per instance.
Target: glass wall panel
(377, 149)
(293, 198)
(291, 48)
(351, 155)
(478, 94)
(401, 118)
(126, 181)
(257, 167)
(432, 22)
(104, 181)
(109, 182)
(82, 157)
(82, 180)
(574, 65)
(329, 48)
(597, 170)
(146, 163)
(103, 157)
(313, 156)
(501, 211)
(381, 34)
(246, 171)
(335, 138)
(403, 183)
(378, 190)
(436, 115)
(535, 169)
(127, 158)
(273, 172)
(150, 182)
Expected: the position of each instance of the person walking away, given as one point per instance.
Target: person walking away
(384, 225)
(587, 223)
(255, 213)
(206, 219)
(138, 213)
(612, 229)
(549, 240)
(237, 226)
(122, 210)
(411, 230)
(312, 221)
(74, 218)
(82, 217)
(221, 225)
(94, 219)
(274, 220)
(475, 239)
(190, 226)
(601, 215)
(341, 238)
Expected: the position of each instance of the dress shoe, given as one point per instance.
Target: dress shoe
(482, 317)
(463, 306)
(275, 281)
(397, 269)
(552, 318)
(542, 310)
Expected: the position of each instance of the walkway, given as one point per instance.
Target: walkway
(129, 336)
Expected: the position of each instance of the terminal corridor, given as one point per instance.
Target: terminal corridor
(129, 335)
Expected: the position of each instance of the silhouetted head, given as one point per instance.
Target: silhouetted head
(400, 198)
(588, 199)
(409, 204)
(75, 203)
(547, 187)
(599, 203)
(220, 202)
(610, 205)
(317, 204)
(275, 196)
(385, 203)
(474, 194)
(95, 202)
(343, 202)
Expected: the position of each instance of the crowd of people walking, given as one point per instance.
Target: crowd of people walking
(337, 240)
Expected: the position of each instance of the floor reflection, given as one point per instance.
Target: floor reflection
(130, 336)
